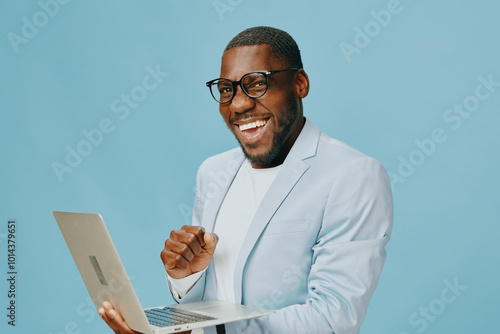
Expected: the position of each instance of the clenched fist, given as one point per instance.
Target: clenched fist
(188, 251)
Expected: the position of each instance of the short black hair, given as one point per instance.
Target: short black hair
(283, 46)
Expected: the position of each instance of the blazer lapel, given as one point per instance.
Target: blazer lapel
(213, 205)
(211, 210)
(290, 173)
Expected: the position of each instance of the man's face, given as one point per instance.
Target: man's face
(265, 127)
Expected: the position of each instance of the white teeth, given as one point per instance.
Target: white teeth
(252, 125)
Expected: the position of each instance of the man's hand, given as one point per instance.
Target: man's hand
(188, 251)
(116, 322)
(114, 319)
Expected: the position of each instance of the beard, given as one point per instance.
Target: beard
(281, 134)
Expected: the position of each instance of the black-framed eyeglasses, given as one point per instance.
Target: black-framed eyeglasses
(253, 84)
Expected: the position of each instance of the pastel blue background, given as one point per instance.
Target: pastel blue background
(395, 91)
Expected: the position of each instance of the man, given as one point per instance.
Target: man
(298, 221)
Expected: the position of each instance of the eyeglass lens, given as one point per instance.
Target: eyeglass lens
(254, 85)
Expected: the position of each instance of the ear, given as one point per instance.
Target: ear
(301, 84)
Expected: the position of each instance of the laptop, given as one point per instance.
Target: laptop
(106, 280)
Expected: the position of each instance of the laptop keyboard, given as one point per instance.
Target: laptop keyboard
(170, 316)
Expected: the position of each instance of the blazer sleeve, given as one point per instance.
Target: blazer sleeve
(347, 258)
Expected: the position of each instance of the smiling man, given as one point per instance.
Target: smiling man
(300, 221)
(266, 126)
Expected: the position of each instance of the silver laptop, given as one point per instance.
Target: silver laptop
(106, 280)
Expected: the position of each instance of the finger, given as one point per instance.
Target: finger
(184, 243)
(192, 240)
(180, 248)
(173, 260)
(198, 231)
(211, 240)
(102, 313)
(110, 312)
(114, 319)
(108, 318)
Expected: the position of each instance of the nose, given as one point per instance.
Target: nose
(241, 102)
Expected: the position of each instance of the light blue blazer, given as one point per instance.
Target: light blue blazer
(315, 248)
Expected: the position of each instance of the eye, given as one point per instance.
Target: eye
(224, 88)
(257, 87)
(257, 84)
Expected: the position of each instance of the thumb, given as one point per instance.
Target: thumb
(211, 240)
